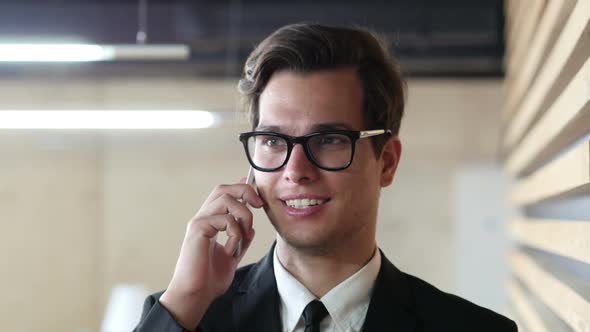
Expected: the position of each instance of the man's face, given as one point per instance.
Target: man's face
(346, 201)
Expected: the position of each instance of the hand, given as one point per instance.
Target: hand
(205, 268)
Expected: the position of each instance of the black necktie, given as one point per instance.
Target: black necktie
(313, 314)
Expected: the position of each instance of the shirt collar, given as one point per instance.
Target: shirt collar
(347, 303)
(294, 296)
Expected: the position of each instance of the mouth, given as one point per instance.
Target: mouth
(304, 201)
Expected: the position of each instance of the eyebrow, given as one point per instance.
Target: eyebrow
(314, 128)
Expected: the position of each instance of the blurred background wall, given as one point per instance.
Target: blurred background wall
(83, 211)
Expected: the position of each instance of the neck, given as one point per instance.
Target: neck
(320, 272)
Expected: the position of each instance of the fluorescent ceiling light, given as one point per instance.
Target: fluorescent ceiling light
(147, 52)
(105, 119)
(51, 53)
(89, 52)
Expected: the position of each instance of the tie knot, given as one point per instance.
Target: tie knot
(313, 314)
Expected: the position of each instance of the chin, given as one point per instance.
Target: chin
(308, 234)
(307, 245)
(304, 240)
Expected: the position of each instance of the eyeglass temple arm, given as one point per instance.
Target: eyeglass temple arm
(369, 133)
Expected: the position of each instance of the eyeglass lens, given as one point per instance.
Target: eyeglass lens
(327, 150)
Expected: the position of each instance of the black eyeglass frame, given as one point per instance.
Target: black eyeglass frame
(354, 135)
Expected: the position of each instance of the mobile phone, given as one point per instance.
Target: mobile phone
(249, 181)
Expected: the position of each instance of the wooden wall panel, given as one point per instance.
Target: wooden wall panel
(525, 310)
(574, 33)
(570, 306)
(563, 237)
(564, 175)
(546, 149)
(549, 26)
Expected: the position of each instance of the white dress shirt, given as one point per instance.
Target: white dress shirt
(347, 303)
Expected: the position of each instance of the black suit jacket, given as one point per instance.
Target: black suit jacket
(399, 303)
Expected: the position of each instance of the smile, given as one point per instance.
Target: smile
(304, 203)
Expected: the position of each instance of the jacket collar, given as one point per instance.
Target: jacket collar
(256, 307)
(392, 303)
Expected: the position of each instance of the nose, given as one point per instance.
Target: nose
(299, 169)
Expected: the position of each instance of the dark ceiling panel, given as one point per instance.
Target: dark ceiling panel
(431, 37)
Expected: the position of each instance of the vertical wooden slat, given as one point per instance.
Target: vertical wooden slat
(568, 238)
(569, 172)
(573, 33)
(531, 318)
(555, 294)
(550, 24)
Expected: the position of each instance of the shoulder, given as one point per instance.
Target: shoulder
(238, 278)
(225, 303)
(215, 318)
(222, 304)
(441, 310)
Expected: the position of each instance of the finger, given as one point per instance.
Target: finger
(229, 205)
(238, 191)
(248, 238)
(209, 227)
(234, 236)
(241, 213)
(246, 241)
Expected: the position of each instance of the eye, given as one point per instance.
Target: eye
(333, 139)
(271, 141)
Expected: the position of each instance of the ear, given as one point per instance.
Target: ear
(390, 156)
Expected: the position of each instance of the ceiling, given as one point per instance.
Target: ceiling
(431, 38)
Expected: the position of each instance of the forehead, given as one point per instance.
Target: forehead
(298, 102)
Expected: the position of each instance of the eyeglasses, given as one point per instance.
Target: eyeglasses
(331, 150)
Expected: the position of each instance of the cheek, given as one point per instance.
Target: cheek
(363, 201)
(264, 183)
(365, 180)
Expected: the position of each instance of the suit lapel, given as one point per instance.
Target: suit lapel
(256, 307)
(391, 306)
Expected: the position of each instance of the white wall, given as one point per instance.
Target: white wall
(481, 213)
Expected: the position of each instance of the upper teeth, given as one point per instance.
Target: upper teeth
(303, 203)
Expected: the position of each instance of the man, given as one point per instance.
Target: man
(325, 105)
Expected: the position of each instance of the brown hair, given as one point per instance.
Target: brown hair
(306, 47)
